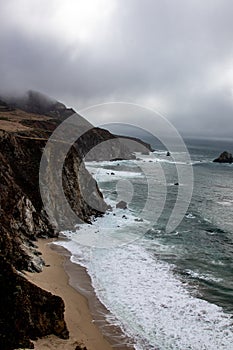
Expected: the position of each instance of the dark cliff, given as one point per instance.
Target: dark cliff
(26, 124)
(28, 312)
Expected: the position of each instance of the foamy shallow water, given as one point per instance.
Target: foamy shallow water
(144, 294)
(150, 302)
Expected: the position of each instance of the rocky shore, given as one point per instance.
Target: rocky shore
(27, 311)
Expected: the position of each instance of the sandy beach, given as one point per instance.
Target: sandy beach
(77, 313)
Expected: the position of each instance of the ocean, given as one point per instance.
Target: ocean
(166, 290)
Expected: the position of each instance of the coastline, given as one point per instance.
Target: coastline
(84, 314)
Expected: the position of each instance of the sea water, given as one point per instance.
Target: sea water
(165, 290)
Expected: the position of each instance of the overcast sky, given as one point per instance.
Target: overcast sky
(174, 56)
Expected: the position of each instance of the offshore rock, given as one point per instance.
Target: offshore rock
(224, 157)
(121, 205)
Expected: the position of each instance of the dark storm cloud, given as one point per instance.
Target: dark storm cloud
(175, 56)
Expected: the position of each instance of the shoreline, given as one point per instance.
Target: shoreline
(84, 314)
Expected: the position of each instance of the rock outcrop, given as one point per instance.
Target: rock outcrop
(224, 157)
(121, 205)
(27, 311)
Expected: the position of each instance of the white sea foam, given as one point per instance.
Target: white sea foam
(190, 216)
(205, 277)
(115, 163)
(150, 302)
(225, 203)
(160, 158)
(151, 157)
(117, 227)
(103, 174)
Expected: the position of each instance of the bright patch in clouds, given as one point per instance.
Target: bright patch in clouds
(72, 20)
(79, 19)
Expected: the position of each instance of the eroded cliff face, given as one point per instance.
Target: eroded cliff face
(26, 311)
(22, 211)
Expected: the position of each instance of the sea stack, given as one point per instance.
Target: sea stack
(224, 157)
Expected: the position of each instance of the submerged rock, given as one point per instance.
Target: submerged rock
(116, 159)
(224, 157)
(109, 207)
(138, 220)
(121, 205)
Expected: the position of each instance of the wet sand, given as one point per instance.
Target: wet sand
(84, 314)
